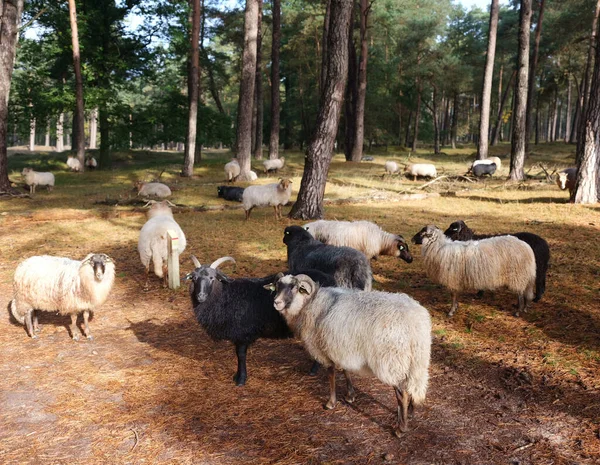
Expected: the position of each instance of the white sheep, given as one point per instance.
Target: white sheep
(91, 163)
(420, 169)
(486, 264)
(488, 161)
(391, 167)
(152, 243)
(365, 236)
(274, 165)
(74, 163)
(152, 189)
(232, 170)
(372, 333)
(274, 195)
(60, 284)
(37, 178)
(253, 176)
(566, 180)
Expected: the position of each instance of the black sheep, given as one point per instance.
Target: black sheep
(349, 267)
(459, 231)
(230, 193)
(483, 169)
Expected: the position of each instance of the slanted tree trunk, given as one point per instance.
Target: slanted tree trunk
(517, 155)
(60, 145)
(79, 126)
(320, 150)
(193, 82)
(258, 93)
(93, 128)
(497, 131)
(531, 92)
(275, 97)
(486, 95)
(248, 78)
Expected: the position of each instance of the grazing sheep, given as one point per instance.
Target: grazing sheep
(153, 189)
(488, 161)
(275, 195)
(459, 231)
(152, 243)
(37, 178)
(253, 176)
(232, 170)
(483, 169)
(91, 163)
(371, 333)
(566, 180)
(230, 193)
(420, 169)
(365, 236)
(391, 167)
(60, 284)
(367, 158)
(349, 267)
(274, 165)
(74, 163)
(488, 264)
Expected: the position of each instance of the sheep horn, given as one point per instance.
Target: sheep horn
(217, 262)
(196, 262)
(148, 203)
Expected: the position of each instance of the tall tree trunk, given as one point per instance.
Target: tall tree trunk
(47, 136)
(446, 130)
(436, 123)
(79, 128)
(359, 133)
(407, 134)
(351, 96)
(104, 139)
(517, 154)
(324, 48)
(486, 95)
(248, 78)
(497, 130)
(568, 115)
(275, 97)
(554, 117)
(577, 115)
(417, 117)
(93, 128)
(258, 93)
(320, 150)
(531, 92)
(32, 135)
(60, 145)
(193, 82)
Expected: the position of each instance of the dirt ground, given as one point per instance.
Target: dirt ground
(153, 388)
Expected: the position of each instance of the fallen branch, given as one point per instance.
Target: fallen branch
(526, 446)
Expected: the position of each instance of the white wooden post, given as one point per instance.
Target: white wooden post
(173, 258)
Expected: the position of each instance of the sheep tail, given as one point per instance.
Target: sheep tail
(418, 376)
(15, 313)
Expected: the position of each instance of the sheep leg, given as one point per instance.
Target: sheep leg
(165, 270)
(332, 399)
(73, 328)
(454, 306)
(248, 213)
(402, 398)
(29, 324)
(36, 325)
(241, 375)
(314, 368)
(350, 392)
(86, 325)
(522, 305)
(276, 212)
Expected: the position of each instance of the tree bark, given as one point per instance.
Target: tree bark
(258, 91)
(32, 135)
(496, 131)
(351, 96)
(248, 78)
(486, 95)
(60, 144)
(531, 92)
(454, 128)
(320, 150)
(193, 82)
(417, 117)
(568, 115)
(275, 97)
(79, 126)
(324, 53)
(519, 130)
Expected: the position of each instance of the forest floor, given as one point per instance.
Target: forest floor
(154, 388)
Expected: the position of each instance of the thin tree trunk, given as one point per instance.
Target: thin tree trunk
(399, 124)
(32, 135)
(248, 78)
(104, 139)
(324, 48)
(446, 130)
(47, 136)
(320, 150)
(79, 127)
(554, 117)
(359, 133)
(417, 117)
(531, 92)
(497, 130)
(407, 134)
(258, 93)
(486, 95)
(517, 155)
(351, 97)
(577, 115)
(454, 129)
(568, 116)
(93, 128)
(275, 97)
(60, 145)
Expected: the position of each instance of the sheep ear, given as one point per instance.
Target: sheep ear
(278, 276)
(223, 278)
(195, 262)
(270, 287)
(188, 277)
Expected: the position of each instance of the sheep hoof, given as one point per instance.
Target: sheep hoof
(239, 380)
(34, 336)
(399, 430)
(76, 337)
(90, 337)
(350, 398)
(329, 405)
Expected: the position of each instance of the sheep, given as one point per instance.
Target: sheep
(459, 231)
(230, 193)
(74, 163)
(420, 169)
(348, 266)
(232, 170)
(566, 180)
(152, 243)
(391, 167)
(37, 178)
(483, 169)
(253, 176)
(488, 264)
(380, 334)
(488, 161)
(273, 165)
(365, 236)
(152, 189)
(275, 195)
(237, 310)
(91, 163)
(60, 284)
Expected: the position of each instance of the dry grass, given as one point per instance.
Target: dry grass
(152, 388)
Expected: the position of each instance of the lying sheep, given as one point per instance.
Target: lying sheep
(487, 264)
(230, 193)
(459, 231)
(488, 161)
(420, 169)
(274, 165)
(566, 180)
(391, 167)
(483, 169)
(275, 195)
(152, 243)
(36, 178)
(365, 236)
(152, 189)
(91, 163)
(74, 163)
(349, 267)
(370, 333)
(60, 284)
(232, 170)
